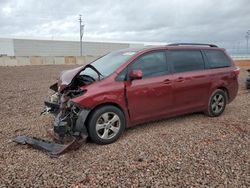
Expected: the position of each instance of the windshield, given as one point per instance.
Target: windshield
(107, 64)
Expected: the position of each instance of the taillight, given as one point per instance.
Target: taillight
(237, 71)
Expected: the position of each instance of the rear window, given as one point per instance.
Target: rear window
(186, 60)
(217, 59)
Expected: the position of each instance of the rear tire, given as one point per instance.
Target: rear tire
(106, 124)
(217, 103)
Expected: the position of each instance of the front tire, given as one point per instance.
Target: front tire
(106, 124)
(217, 103)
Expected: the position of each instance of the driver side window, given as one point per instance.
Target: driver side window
(151, 64)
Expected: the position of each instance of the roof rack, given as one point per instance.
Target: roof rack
(193, 44)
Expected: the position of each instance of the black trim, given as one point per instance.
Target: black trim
(118, 78)
(54, 87)
(206, 62)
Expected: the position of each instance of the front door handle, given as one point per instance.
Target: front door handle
(200, 76)
(180, 79)
(167, 81)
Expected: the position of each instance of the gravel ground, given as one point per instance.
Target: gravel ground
(191, 150)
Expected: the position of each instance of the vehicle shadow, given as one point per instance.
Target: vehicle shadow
(163, 122)
(151, 125)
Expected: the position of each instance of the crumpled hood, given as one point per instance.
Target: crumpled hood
(67, 76)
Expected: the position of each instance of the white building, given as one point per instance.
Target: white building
(38, 47)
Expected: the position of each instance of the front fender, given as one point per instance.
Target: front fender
(117, 98)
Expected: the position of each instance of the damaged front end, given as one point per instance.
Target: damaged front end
(69, 130)
(69, 118)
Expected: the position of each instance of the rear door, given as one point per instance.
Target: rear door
(150, 97)
(191, 81)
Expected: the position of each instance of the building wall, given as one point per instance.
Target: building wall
(15, 52)
(45, 60)
(6, 47)
(23, 47)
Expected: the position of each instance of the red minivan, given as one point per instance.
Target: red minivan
(132, 86)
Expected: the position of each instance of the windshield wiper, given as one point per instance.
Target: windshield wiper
(94, 69)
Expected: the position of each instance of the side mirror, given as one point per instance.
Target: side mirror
(135, 74)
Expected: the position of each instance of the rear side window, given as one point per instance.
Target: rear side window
(186, 60)
(217, 59)
(151, 64)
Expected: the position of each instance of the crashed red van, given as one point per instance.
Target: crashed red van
(133, 86)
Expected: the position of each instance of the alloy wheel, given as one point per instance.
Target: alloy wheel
(108, 125)
(218, 103)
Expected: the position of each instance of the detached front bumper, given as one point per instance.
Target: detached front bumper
(69, 127)
(69, 133)
(54, 149)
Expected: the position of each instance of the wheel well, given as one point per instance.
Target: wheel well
(105, 104)
(226, 91)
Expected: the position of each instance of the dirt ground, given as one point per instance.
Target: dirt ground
(191, 150)
(242, 63)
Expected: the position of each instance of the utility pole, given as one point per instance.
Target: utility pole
(247, 38)
(81, 32)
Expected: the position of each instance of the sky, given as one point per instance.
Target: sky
(224, 22)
